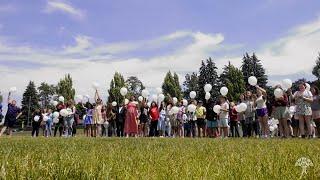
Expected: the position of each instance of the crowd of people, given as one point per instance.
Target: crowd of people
(291, 115)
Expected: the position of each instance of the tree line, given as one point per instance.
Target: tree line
(234, 78)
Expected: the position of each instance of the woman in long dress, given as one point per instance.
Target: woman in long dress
(131, 126)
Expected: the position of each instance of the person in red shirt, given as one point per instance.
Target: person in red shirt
(154, 116)
(234, 120)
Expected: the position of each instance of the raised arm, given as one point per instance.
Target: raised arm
(96, 96)
(264, 92)
(9, 99)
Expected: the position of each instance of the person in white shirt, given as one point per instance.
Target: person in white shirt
(262, 112)
(224, 116)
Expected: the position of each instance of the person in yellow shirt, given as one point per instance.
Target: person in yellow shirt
(201, 116)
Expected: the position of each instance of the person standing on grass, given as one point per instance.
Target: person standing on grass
(211, 117)
(48, 130)
(69, 120)
(97, 117)
(191, 122)
(59, 125)
(303, 99)
(181, 113)
(36, 121)
(80, 112)
(120, 119)
(281, 113)
(224, 116)
(111, 117)
(13, 113)
(201, 122)
(234, 121)
(154, 117)
(143, 119)
(131, 126)
(262, 112)
(88, 119)
(315, 107)
(162, 121)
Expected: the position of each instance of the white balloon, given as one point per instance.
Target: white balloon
(145, 93)
(207, 87)
(114, 103)
(193, 94)
(286, 84)
(271, 128)
(278, 93)
(123, 91)
(13, 89)
(307, 86)
(192, 108)
(174, 100)
(140, 98)
(208, 95)
(238, 108)
(45, 118)
(56, 114)
(242, 107)
(55, 120)
(161, 97)
(95, 85)
(126, 101)
(252, 80)
(292, 109)
(216, 109)
(159, 90)
(36, 118)
(154, 98)
(87, 96)
(55, 103)
(185, 102)
(149, 104)
(64, 112)
(175, 110)
(61, 98)
(224, 91)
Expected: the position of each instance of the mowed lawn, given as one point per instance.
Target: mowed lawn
(156, 158)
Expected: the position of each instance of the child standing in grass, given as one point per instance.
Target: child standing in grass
(88, 119)
(181, 113)
(48, 130)
(162, 121)
(234, 120)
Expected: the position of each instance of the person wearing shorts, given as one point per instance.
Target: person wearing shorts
(262, 111)
(211, 117)
(201, 115)
(281, 113)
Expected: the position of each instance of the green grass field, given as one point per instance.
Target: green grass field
(155, 158)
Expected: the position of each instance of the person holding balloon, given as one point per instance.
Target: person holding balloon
(143, 117)
(303, 99)
(49, 122)
(201, 116)
(13, 113)
(37, 119)
(59, 124)
(280, 111)
(234, 120)
(224, 116)
(211, 117)
(88, 119)
(97, 115)
(69, 119)
(261, 111)
(181, 113)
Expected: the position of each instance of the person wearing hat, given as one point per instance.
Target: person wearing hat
(201, 116)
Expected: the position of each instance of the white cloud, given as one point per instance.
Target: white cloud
(54, 5)
(88, 61)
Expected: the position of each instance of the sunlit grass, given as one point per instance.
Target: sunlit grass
(155, 158)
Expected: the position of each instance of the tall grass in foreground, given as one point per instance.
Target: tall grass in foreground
(148, 158)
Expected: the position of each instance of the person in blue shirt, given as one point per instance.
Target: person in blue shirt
(13, 113)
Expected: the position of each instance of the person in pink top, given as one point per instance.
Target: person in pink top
(131, 126)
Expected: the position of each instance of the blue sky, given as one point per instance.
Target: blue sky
(41, 40)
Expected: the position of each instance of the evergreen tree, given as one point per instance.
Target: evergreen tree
(316, 68)
(1, 98)
(30, 101)
(65, 88)
(232, 78)
(114, 91)
(135, 86)
(252, 66)
(46, 91)
(190, 84)
(208, 75)
(171, 86)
